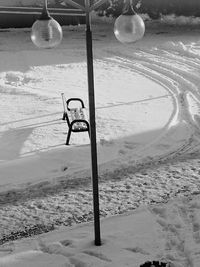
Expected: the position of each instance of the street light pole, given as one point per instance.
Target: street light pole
(129, 27)
(93, 146)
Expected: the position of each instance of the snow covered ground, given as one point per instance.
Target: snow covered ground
(147, 104)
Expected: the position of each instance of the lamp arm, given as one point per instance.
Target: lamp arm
(45, 14)
(97, 4)
(74, 4)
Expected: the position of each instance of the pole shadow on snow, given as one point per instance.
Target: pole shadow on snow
(31, 118)
(133, 102)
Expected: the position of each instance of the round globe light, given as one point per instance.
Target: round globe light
(129, 28)
(46, 33)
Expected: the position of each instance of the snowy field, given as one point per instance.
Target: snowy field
(148, 133)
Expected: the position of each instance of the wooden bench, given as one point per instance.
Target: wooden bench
(75, 116)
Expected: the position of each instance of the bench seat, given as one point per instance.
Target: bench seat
(76, 116)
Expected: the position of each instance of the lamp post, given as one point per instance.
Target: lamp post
(93, 145)
(129, 27)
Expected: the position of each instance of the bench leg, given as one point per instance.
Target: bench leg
(64, 116)
(88, 128)
(68, 136)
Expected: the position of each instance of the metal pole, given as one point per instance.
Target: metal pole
(45, 4)
(92, 125)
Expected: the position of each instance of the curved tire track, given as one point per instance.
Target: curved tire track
(179, 83)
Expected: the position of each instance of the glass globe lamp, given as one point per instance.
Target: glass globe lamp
(46, 32)
(129, 27)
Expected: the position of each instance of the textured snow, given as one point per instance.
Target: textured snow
(147, 104)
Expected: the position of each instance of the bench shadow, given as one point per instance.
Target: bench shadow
(11, 142)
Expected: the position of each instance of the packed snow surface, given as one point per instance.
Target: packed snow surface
(147, 118)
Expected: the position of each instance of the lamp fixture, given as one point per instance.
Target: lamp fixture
(129, 27)
(46, 32)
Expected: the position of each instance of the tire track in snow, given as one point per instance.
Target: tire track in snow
(188, 84)
(182, 84)
(174, 118)
(174, 57)
(165, 82)
(179, 83)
